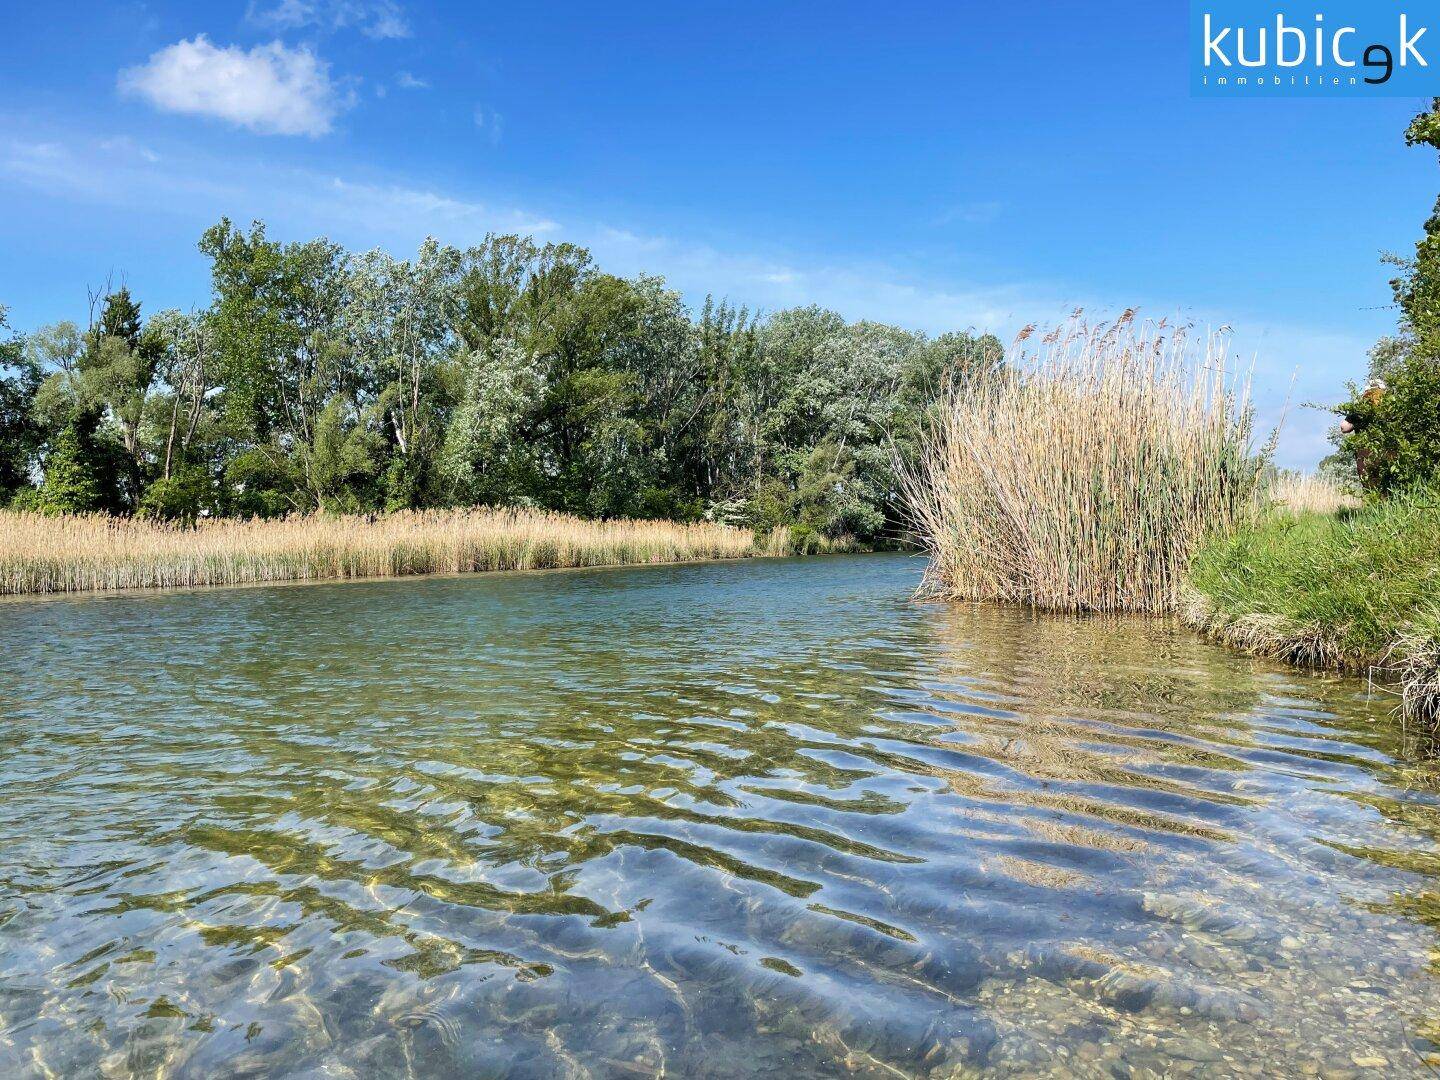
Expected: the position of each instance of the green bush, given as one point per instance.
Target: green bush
(1396, 445)
(26, 500)
(183, 496)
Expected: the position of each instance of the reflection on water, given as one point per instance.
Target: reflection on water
(721, 820)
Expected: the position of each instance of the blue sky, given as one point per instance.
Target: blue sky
(934, 165)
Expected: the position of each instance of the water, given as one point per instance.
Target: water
(719, 820)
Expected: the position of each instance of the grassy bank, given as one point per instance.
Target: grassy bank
(1357, 590)
(1083, 477)
(40, 554)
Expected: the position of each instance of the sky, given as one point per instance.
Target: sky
(938, 166)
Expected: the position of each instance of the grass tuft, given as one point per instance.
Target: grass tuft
(1082, 477)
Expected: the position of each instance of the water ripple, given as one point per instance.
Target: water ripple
(700, 821)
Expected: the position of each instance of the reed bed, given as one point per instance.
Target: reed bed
(1301, 493)
(40, 554)
(784, 540)
(1084, 474)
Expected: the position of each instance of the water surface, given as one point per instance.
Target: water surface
(716, 820)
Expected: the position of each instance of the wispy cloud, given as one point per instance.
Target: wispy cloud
(122, 146)
(378, 19)
(407, 81)
(490, 122)
(297, 201)
(271, 89)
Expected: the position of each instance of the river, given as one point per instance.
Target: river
(730, 819)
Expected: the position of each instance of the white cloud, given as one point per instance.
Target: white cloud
(295, 201)
(374, 18)
(271, 89)
(406, 81)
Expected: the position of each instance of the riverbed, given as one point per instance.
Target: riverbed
(737, 819)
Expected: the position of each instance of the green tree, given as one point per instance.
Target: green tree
(117, 368)
(398, 321)
(512, 373)
(1396, 441)
(80, 468)
(280, 356)
(20, 433)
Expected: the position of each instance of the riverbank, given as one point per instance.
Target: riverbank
(87, 553)
(1357, 590)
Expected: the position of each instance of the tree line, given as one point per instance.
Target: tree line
(508, 374)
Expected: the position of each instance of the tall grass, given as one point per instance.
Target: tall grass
(1358, 591)
(1303, 493)
(1083, 475)
(40, 554)
(786, 540)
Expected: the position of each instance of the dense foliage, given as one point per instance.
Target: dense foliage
(1396, 442)
(509, 374)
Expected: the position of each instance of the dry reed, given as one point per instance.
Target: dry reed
(40, 554)
(1082, 477)
(784, 540)
(1300, 493)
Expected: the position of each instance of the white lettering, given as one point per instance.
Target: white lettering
(1335, 46)
(1214, 45)
(1407, 44)
(1281, 33)
(1259, 61)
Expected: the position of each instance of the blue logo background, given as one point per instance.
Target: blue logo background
(1375, 22)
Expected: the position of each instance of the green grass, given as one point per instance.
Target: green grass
(1357, 590)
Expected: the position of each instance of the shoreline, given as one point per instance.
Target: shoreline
(361, 579)
(75, 555)
(432, 575)
(1352, 591)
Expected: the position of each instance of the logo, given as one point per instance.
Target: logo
(1331, 48)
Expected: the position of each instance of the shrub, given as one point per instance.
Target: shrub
(1396, 444)
(182, 496)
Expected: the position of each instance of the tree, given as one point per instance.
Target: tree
(80, 468)
(511, 374)
(398, 322)
(1396, 441)
(117, 368)
(20, 433)
(487, 456)
(185, 347)
(279, 347)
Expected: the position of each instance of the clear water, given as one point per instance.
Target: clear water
(719, 820)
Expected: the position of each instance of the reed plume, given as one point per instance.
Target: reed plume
(1083, 474)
